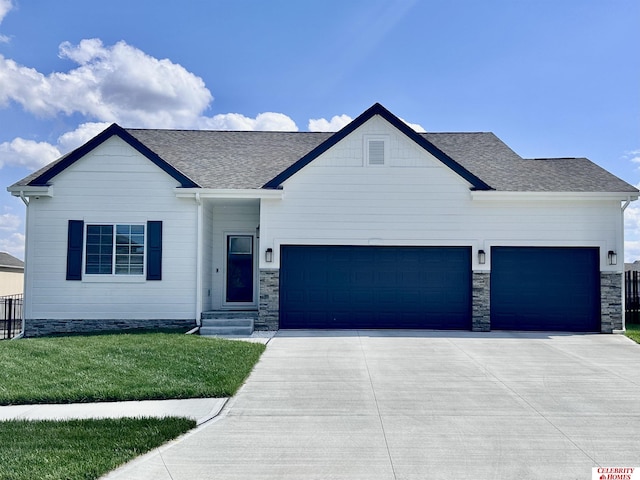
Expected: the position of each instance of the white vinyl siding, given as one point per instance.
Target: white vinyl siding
(112, 185)
(419, 201)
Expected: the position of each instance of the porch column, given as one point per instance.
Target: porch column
(269, 309)
(481, 302)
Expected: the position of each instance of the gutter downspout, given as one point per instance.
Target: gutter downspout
(24, 281)
(198, 260)
(624, 291)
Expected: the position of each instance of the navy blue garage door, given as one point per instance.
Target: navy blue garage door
(556, 289)
(329, 287)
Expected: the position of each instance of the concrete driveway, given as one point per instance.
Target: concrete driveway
(417, 405)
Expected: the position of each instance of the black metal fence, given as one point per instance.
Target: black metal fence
(632, 297)
(10, 316)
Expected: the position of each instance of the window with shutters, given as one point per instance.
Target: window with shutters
(115, 249)
(375, 150)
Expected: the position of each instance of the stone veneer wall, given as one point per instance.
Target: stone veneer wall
(269, 310)
(610, 302)
(43, 327)
(481, 302)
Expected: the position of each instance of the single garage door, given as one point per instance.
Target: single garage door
(329, 287)
(555, 289)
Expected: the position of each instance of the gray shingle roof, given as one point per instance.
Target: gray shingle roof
(9, 261)
(248, 160)
(490, 159)
(229, 159)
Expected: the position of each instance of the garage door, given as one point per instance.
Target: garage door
(555, 289)
(375, 287)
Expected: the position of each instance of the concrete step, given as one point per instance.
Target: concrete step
(227, 314)
(235, 326)
(227, 322)
(226, 331)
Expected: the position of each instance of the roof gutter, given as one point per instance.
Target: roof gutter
(228, 193)
(493, 195)
(24, 191)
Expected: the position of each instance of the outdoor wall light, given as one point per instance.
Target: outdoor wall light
(613, 258)
(268, 255)
(482, 257)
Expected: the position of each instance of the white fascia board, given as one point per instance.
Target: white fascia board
(228, 193)
(496, 196)
(30, 191)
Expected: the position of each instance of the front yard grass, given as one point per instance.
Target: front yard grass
(118, 367)
(633, 332)
(107, 368)
(79, 449)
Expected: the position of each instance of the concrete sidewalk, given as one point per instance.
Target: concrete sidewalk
(392, 405)
(199, 409)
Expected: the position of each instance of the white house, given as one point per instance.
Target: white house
(375, 226)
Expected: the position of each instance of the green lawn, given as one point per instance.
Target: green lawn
(107, 368)
(122, 367)
(633, 332)
(79, 449)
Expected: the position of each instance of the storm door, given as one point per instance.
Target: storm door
(240, 279)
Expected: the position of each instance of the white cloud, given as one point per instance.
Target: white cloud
(80, 135)
(117, 83)
(122, 84)
(33, 155)
(5, 7)
(27, 153)
(9, 221)
(13, 244)
(417, 127)
(633, 156)
(339, 121)
(264, 121)
(333, 125)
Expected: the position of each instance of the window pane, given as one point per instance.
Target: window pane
(126, 257)
(240, 245)
(129, 250)
(99, 249)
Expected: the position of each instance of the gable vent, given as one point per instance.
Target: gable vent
(376, 152)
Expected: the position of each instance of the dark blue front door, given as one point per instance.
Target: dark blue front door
(239, 268)
(545, 288)
(375, 287)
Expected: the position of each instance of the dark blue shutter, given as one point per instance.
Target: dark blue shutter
(75, 236)
(154, 250)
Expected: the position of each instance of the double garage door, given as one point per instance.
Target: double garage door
(345, 287)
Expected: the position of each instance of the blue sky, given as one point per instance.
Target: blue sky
(550, 78)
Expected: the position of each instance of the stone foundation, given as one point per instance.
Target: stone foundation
(481, 302)
(269, 310)
(611, 308)
(44, 327)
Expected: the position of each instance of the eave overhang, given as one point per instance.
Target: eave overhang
(228, 193)
(505, 196)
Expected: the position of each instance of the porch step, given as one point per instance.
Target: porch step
(236, 326)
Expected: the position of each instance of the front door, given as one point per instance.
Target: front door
(240, 269)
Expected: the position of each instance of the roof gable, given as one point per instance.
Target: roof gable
(378, 109)
(65, 162)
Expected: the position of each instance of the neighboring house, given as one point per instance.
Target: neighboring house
(11, 275)
(375, 226)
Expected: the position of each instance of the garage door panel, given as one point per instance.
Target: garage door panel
(375, 287)
(545, 288)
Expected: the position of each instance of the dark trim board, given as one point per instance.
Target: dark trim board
(343, 287)
(377, 109)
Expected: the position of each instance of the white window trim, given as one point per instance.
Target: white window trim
(365, 147)
(113, 277)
